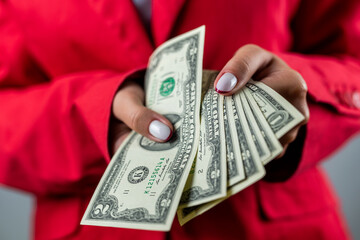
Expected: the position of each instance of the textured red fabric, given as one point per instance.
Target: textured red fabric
(61, 63)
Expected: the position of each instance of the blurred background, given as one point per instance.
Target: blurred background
(342, 168)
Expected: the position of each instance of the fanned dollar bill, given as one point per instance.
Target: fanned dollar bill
(272, 115)
(142, 185)
(207, 178)
(258, 139)
(279, 113)
(254, 169)
(235, 166)
(271, 141)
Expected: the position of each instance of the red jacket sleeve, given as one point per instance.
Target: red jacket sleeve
(326, 37)
(53, 133)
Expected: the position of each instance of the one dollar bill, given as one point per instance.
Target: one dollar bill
(279, 113)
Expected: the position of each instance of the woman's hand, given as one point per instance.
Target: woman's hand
(129, 113)
(251, 61)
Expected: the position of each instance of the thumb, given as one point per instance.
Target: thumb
(128, 107)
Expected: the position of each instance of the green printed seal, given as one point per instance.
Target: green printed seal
(167, 86)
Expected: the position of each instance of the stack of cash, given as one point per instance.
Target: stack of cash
(219, 146)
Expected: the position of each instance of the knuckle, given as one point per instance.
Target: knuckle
(244, 64)
(252, 49)
(299, 87)
(301, 84)
(135, 118)
(291, 138)
(251, 46)
(306, 115)
(300, 91)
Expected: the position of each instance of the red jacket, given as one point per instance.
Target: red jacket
(62, 61)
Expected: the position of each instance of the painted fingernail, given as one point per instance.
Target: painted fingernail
(159, 130)
(226, 83)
